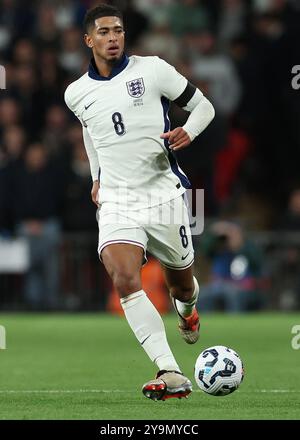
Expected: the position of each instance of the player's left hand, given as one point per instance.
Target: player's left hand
(178, 138)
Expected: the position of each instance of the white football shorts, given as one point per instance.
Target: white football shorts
(163, 230)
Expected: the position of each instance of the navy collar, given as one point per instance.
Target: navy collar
(94, 74)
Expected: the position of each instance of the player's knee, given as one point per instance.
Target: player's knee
(126, 282)
(182, 293)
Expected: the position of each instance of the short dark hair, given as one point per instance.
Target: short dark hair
(102, 10)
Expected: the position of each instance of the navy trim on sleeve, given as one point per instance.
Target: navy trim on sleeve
(172, 159)
(186, 95)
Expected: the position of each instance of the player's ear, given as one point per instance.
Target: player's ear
(88, 41)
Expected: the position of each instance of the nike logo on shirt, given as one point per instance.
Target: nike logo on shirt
(87, 106)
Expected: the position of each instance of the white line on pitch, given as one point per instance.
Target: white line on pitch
(61, 391)
(121, 391)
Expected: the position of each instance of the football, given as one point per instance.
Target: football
(219, 370)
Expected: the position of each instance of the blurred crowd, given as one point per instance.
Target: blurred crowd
(240, 53)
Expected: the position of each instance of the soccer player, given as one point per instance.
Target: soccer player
(122, 103)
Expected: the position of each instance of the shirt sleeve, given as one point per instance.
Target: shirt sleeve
(201, 114)
(176, 87)
(68, 98)
(87, 140)
(91, 153)
(170, 82)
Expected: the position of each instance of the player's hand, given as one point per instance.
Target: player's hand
(94, 193)
(178, 138)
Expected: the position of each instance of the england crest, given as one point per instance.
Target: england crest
(136, 87)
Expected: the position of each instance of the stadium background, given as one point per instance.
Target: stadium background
(87, 365)
(240, 54)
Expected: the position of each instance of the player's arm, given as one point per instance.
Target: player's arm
(94, 164)
(89, 147)
(176, 88)
(201, 114)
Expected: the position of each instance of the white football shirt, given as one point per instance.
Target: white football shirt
(123, 117)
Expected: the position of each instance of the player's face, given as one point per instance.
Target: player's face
(106, 39)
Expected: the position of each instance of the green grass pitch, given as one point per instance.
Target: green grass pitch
(90, 366)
